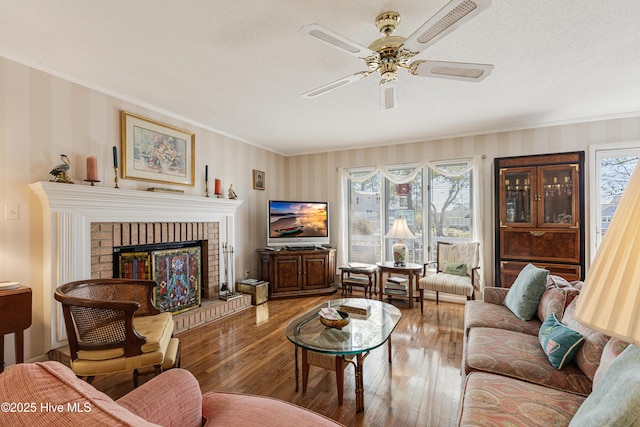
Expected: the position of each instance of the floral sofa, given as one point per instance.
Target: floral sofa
(49, 394)
(509, 379)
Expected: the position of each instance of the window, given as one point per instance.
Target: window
(364, 218)
(450, 206)
(404, 200)
(613, 168)
(376, 196)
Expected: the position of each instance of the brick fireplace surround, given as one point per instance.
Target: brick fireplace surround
(107, 235)
(82, 224)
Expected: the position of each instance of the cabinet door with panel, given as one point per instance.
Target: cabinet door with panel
(314, 272)
(539, 206)
(287, 274)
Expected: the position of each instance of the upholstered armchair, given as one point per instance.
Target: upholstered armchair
(456, 272)
(112, 326)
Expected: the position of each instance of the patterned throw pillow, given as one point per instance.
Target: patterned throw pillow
(559, 342)
(457, 268)
(525, 293)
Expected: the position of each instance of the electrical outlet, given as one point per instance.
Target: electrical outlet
(11, 211)
(247, 273)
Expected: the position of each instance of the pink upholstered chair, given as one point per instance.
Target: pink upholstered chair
(172, 398)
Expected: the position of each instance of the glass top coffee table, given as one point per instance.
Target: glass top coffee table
(358, 338)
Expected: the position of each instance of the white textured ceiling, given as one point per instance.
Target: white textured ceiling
(238, 66)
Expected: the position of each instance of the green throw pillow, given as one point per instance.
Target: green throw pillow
(525, 293)
(615, 399)
(457, 268)
(559, 342)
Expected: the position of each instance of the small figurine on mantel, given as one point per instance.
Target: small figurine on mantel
(232, 193)
(60, 172)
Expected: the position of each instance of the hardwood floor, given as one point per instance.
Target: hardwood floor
(249, 353)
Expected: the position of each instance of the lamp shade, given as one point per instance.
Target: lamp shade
(610, 299)
(400, 230)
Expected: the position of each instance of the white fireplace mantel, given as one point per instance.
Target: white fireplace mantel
(70, 209)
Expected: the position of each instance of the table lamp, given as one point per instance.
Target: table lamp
(610, 299)
(400, 230)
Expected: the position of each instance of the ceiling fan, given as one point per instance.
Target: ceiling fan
(389, 53)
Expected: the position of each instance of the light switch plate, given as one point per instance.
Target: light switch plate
(11, 211)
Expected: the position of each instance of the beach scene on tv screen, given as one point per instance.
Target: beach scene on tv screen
(295, 219)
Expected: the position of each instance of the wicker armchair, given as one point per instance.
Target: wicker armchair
(112, 326)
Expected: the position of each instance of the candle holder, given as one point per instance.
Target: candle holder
(91, 181)
(218, 189)
(206, 189)
(115, 178)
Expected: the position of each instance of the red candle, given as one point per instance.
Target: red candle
(218, 186)
(92, 168)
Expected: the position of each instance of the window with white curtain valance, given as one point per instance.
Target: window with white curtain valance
(380, 179)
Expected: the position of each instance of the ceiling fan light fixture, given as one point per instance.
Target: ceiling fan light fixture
(388, 70)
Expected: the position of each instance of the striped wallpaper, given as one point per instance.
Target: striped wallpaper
(42, 116)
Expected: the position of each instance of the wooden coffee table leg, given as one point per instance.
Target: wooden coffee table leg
(297, 371)
(359, 383)
(305, 370)
(340, 378)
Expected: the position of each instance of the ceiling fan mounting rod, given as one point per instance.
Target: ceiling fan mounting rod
(387, 22)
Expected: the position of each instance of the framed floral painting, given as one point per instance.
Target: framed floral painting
(156, 152)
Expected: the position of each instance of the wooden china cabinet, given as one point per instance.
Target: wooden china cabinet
(540, 215)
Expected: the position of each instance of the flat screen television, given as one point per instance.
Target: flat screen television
(297, 223)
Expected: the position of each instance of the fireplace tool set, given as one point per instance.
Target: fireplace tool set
(226, 287)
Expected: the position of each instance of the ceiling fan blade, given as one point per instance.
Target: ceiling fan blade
(338, 83)
(388, 94)
(336, 41)
(464, 71)
(451, 16)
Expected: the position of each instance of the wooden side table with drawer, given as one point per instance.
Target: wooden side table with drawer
(363, 275)
(15, 309)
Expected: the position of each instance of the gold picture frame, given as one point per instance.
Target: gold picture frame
(259, 180)
(156, 152)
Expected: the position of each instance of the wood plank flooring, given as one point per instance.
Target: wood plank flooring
(249, 353)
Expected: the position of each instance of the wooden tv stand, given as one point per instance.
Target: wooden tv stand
(298, 273)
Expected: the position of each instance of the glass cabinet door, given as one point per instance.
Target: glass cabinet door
(517, 197)
(557, 198)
